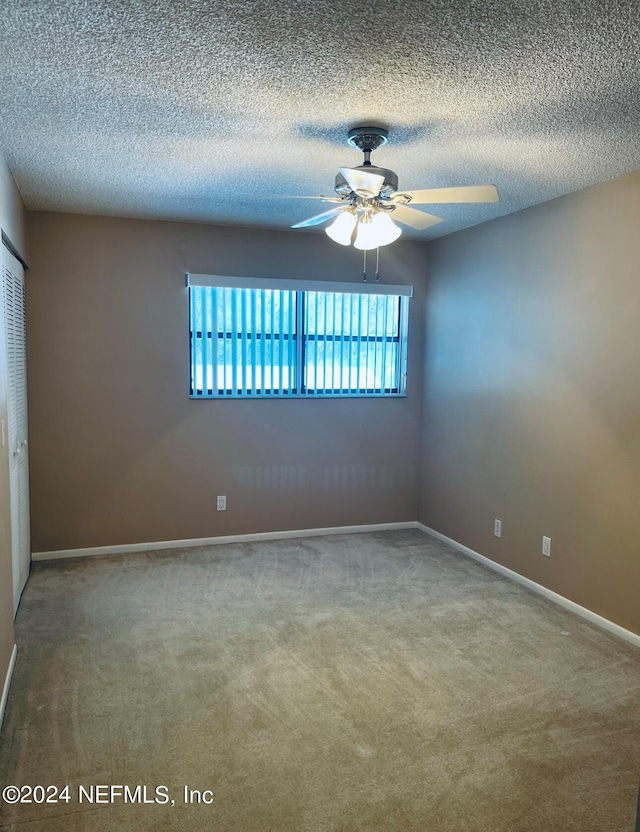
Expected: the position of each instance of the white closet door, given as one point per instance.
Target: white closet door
(15, 332)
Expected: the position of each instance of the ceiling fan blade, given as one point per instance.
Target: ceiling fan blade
(363, 183)
(413, 217)
(470, 193)
(300, 196)
(319, 218)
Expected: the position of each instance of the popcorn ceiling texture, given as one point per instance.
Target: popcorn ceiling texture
(206, 111)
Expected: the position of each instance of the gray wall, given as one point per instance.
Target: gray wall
(532, 394)
(120, 454)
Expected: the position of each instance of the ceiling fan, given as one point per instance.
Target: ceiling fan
(368, 200)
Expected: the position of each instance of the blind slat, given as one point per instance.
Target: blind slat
(342, 330)
(235, 299)
(333, 341)
(374, 385)
(293, 341)
(367, 303)
(383, 359)
(208, 359)
(281, 342)
(254, 368)
(263, 340)
(195, 388)
(226, 346)
(241, 342)
(316, 384)
(359, 349)
(203, 364)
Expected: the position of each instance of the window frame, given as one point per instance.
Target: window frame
(299, 388)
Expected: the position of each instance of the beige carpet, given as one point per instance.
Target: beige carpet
(334, 684)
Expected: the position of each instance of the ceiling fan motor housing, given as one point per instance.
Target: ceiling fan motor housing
(367, 139)
(390, 180)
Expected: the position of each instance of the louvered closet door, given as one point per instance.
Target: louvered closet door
(15, 331)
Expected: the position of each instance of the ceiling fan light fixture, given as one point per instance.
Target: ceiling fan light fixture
(368, 197)
(341, 229)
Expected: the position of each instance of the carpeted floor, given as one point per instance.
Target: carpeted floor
(352, 683)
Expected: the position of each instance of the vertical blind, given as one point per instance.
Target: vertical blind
(274, 341)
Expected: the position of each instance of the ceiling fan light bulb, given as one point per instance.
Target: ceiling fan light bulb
(341, 229)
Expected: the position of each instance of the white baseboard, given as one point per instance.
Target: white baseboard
(583, 612)
(7, 682)
(214, 541)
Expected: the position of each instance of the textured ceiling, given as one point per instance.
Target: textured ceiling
(206, 111)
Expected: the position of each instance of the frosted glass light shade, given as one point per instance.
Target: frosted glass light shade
(381, 231)
(341, 228)
(366, 237)
(386, 229)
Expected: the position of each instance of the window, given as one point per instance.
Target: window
(253, 337)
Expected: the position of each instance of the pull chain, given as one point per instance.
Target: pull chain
(364, 264)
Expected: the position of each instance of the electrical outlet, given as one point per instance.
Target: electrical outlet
(497, 528)
(222, 504)
(546, 546)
